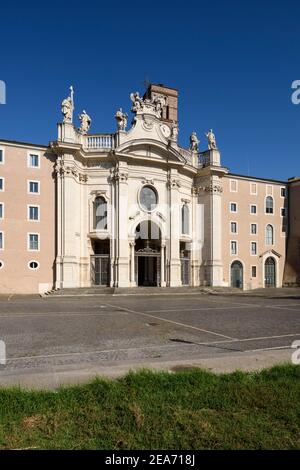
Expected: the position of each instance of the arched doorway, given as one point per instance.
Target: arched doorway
(270, 272)
(237, 274)
(147, 254)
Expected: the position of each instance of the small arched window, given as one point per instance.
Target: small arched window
(269, 205)
(100, 213)
(185, 216)
(269, 235)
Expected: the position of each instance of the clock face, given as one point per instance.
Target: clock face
(165, 130)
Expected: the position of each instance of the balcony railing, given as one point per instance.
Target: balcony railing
(203, 159)
(100, 141)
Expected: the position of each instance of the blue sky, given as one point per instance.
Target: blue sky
(232, 61)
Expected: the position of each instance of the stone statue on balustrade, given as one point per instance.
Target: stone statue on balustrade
(85, 122)
(67, 107)
(194, 142)
(121, 119)
(211, 139)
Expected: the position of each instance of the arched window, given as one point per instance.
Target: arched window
(185, 216)
(100, 213)
(269, 235)
(269, 205)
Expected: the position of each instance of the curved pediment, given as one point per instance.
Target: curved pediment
(149, 148)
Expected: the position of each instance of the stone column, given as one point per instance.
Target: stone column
(59, 225)
(120, 176)
(196, 233)
(132, 266)
(174, 224)
(162, 266)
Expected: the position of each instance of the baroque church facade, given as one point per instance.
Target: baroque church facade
(135, 208)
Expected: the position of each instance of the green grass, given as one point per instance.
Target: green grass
(192, 409)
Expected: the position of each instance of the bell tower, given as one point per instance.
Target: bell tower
(170, 110)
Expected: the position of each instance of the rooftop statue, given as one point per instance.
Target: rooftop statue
(152, 106)
(194, 142)
(174, 131)
(85, 122)
(159, 102)
(67, 107)
(212, 145)
(121, 119)
(137, 101)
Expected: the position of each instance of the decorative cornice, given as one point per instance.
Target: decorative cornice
(63, 170)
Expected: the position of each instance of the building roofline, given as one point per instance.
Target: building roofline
(26, 144)
(257, 178)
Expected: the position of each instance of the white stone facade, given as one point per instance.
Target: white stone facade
(116, 168)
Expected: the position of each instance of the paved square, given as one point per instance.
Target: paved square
(81, 333)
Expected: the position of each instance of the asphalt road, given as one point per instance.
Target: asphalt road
(54, 335)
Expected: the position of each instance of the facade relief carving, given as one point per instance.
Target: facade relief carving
(148, 181)
(211, 187)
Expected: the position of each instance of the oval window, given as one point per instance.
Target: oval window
(148, 198)
(1, 264)
(33, 265)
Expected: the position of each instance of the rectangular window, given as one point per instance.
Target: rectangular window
(253, 271)
(1, 156)
(1, 240)
(233, 248)
(33, 239)
(1, 184)
(33, 160)
(269, 190)
(233, 186)
(1, 210)
(283, 192)
(233, 227)
(253, 189)
(283, 212)
(253, 209)
(33, 212)
(253, 248)
(233, 207)
(34, 187)
(253, 229)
